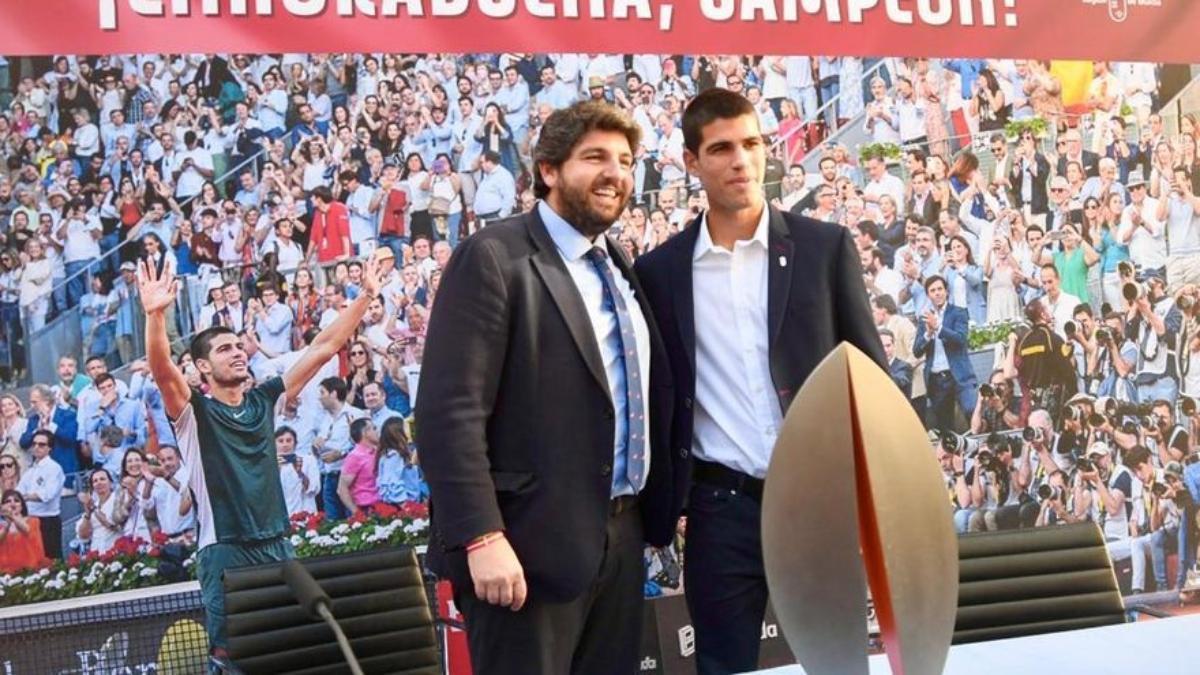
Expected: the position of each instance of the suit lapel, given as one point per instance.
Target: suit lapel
(681, 289)
(779, 279)
(550, 267)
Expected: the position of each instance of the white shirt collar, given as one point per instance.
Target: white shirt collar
(704, 242)
(571, 243)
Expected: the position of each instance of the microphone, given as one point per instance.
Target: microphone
(305, 588)
(316, 604)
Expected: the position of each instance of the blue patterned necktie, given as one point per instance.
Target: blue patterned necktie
(635, 409)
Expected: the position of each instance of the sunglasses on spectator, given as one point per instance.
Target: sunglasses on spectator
(8, 465)
(358, 352)
(1058, 189)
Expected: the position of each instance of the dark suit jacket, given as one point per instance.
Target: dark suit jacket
(515, 421)
(814, 302)
(929, 213)
(1039, 201)
(953, 333)
(1091, 164)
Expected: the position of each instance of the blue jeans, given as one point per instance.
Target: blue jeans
(396, 243)
(334, 509)
(107, 243)
(962, 519)
(452, 223)
(829, 91)
(77, 284)
(1158, 555)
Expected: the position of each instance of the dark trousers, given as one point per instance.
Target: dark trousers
(51, 527)
(724, 579)
(942, 392)
(598, 632)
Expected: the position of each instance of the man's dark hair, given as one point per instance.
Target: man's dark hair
(285, 431)
(1136, 456)
(44, 434)
(932, 279)
(93, 358)
(493, 157)
(202, 343)
(357, 427)
(347, 176)
(712, 105)
(1083, 308)
(336, 386)
(1052, 268)
(102, 378)
(884, 332)
(886, 303)
(1031, 228)
(566, 126)
(323, 193)
(869, 228)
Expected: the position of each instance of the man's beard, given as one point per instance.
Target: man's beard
(576, 210)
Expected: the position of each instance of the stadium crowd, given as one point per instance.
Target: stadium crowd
(1039, 210)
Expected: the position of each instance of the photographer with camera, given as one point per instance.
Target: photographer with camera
(1116, 358)
(998, 483)
(951, 458)
(1057, 502)
(997, 409)
(1080, 333)
(1165, 439)
(1115, 499)
(1153, 322)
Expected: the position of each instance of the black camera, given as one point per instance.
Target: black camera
(1046, 491)
(1033, 435)
(1096, 420)
(1070, 328)
(1103, 335)
(1159, 489)
(986, 391)
(1085, 464)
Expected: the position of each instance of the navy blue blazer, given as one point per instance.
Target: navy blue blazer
(815, 300)
(953, 334)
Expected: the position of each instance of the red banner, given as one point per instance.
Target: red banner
(1122, 30)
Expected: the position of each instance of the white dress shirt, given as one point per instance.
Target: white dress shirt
(45, 479)
(165, 499)
(573, 246)
(297, 498)
(738, 414)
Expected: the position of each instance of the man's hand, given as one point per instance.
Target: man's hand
(372, 277)
(497, 574)
(157, 291)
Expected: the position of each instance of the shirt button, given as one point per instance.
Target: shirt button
(606, 470)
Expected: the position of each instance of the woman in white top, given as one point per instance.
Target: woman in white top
(132, 495)
(445, 198)
(36, 282)
(102, 522)
(416, 175)
(12, 425)
(312, 158)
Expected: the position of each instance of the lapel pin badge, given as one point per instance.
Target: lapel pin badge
(783, 261)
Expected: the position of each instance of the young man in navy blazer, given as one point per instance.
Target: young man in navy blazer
(749, 299)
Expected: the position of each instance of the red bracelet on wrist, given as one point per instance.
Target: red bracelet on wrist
(484, 541)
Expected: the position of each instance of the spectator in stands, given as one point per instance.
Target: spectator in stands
(42, 487)
(496, 195)
(21, 545)
(333, 441)
(169, 507)
(101, 524)
(113, 409)
(10, 473)
(298, 473)
(998, 488)
(942, 341)
(399, 476)
(357, 487)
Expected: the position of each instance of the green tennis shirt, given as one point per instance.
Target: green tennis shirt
(229, 456)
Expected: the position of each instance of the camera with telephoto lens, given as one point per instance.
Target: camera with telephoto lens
(1070, 328)
(1085, 464)
(957, 444)
(1103, 335)
(1033, 435)
(986, 391)
(1126, 268)
(1047, 491)
(1152, 421)
(1133, 291)
(1159, 489)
